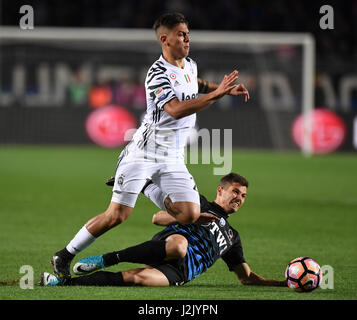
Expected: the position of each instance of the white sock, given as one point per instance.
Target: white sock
(156, 195)
(80, 241)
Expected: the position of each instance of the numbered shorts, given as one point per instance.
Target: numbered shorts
(172, 178)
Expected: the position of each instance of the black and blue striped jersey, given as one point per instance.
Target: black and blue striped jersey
(207, 243)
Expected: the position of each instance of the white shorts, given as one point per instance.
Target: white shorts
(172, 178)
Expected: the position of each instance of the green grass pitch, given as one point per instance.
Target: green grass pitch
(295, 207)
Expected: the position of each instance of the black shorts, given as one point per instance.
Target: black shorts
(175, 270)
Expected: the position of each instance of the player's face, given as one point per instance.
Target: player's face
(231, 197)
(178, 41)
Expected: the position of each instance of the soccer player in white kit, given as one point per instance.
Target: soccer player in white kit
(156, 151)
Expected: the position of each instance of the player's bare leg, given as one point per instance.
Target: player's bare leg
(145, 276)
(183, 212)
(176, 247)
(115, 214)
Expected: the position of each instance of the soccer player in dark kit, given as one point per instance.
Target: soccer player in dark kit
(179, 253)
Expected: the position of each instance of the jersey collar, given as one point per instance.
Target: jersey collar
(171, 65)
(219, 210)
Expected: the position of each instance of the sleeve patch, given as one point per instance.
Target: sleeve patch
(160, 94)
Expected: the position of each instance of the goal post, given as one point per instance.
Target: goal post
(219, 52)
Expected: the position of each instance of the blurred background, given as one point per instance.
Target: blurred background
(89, 57)
(72, 86)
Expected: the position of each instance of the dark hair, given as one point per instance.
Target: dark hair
(170, 20)
(233, 177)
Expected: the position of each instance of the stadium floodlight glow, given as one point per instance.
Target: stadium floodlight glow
(207, 38)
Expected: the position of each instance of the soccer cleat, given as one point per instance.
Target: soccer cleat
(110, 182)
(61, 267)
(88, 265)
(49, 280)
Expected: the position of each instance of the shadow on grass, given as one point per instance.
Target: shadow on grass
(9, 283)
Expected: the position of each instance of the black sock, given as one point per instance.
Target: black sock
(65, 254)
(149, 252)
(100, 278)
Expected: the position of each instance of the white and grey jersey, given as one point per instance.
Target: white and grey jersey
(159, 132)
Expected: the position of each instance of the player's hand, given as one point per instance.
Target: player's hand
(238, 90)
(206, 218)
(226, 85)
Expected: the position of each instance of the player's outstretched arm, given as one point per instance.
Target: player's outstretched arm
(240, 90)
(248, 277)
(205, 86)
(162, 218)
(179, 109)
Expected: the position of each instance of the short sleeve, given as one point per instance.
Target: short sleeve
(159, 87)
(234, 255)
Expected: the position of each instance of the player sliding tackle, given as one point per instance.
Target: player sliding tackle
(156, 151)
(180, 252)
